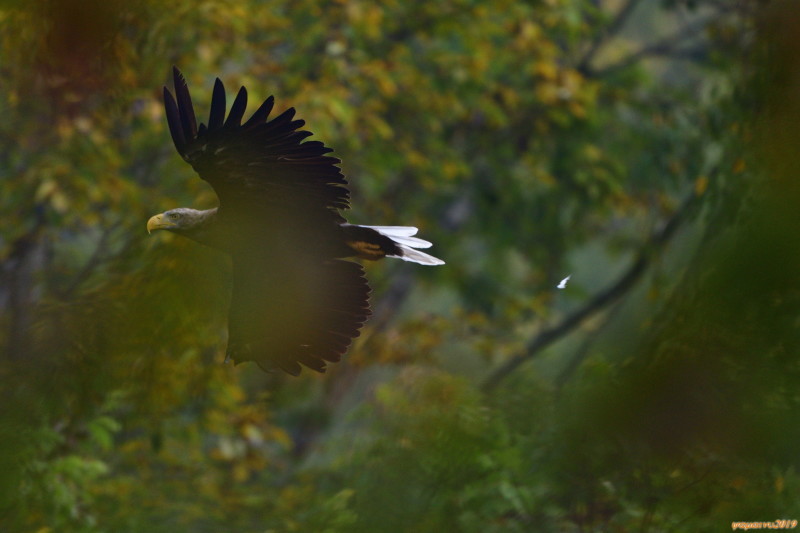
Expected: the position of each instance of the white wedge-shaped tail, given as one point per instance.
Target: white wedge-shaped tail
(403, 236)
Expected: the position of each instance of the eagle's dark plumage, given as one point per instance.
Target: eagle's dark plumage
(296, 299)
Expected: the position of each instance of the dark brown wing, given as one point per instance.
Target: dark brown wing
(260, 164)
(308, 315)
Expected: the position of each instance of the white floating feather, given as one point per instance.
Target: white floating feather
(563, 283)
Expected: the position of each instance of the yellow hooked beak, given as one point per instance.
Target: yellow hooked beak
(158, 222)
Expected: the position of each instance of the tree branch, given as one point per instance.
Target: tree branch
(603, 37)
(583, 351)
(666, 46)
(97, 257)
(601, 300)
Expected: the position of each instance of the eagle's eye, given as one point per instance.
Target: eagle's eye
(174, 216)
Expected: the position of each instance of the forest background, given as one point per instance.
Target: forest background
(648, 148)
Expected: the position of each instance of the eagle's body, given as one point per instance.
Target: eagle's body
(296, 299)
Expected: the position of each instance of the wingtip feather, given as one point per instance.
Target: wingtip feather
(237, 109)
(174, 121)
(261, 114)
(216, 116)
(185, 107)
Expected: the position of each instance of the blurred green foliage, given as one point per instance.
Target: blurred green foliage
(529, 140)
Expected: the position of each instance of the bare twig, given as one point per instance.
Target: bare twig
(25, 261)
(672, 44)
(598, 302)
(603, 37)
(97, 257)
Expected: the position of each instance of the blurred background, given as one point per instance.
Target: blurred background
(648, 148)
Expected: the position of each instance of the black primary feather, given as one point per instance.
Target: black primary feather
(216, 116)
(261, 114)
(174, 122)
(237, 110)
(185, 108)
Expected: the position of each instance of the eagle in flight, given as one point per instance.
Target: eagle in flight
(297, 299)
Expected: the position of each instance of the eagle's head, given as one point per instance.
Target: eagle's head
(180, 219)
(192, 223)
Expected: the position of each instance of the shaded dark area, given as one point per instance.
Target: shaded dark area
(647, 149)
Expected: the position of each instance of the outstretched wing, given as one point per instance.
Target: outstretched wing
(308, 315)
(293, 303)
(260, 164)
